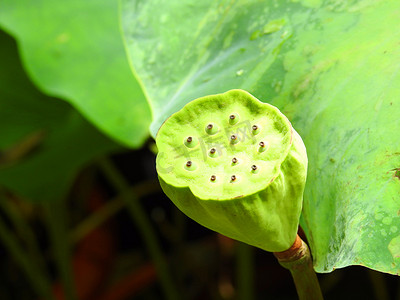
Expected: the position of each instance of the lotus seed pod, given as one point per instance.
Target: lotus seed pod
(247, 169)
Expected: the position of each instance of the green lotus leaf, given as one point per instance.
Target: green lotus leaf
(236, 166)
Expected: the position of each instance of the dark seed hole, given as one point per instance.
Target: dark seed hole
(232, 117)
(189, 139)
(212, 150)
(233, 137)
(234, 160)
(209, 126)
(255, 127)
(254, 167)
(213, 177)
(188, 163)
(262, 144)
(233, 177)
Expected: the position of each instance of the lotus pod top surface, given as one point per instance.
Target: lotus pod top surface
(223, 146)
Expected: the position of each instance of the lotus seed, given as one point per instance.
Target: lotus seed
(254, 167)
(212, 150)
(233, 177)
(213, 177)
(233, 118)
(255, 129)
(262, 146)
(234, 139)
(190, 141)
(188, 163)
(211, 128)
(234, 160)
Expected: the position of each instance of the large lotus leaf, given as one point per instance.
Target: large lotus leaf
(73, 50)
(331, 66)
(43, 141)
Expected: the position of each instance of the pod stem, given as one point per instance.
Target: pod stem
(297, 259)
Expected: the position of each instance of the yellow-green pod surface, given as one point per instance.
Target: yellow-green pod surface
(236, 166)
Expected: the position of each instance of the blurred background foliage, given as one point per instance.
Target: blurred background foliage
(81, 213)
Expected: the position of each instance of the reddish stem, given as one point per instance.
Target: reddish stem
(297, 259)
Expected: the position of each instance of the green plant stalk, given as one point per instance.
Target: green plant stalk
(297, 259)
(143, 224)
(25, 232)
(245, 271)
(57, 229)
(96, 219)
(379, 285)
(40, 283)
(108, 210)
